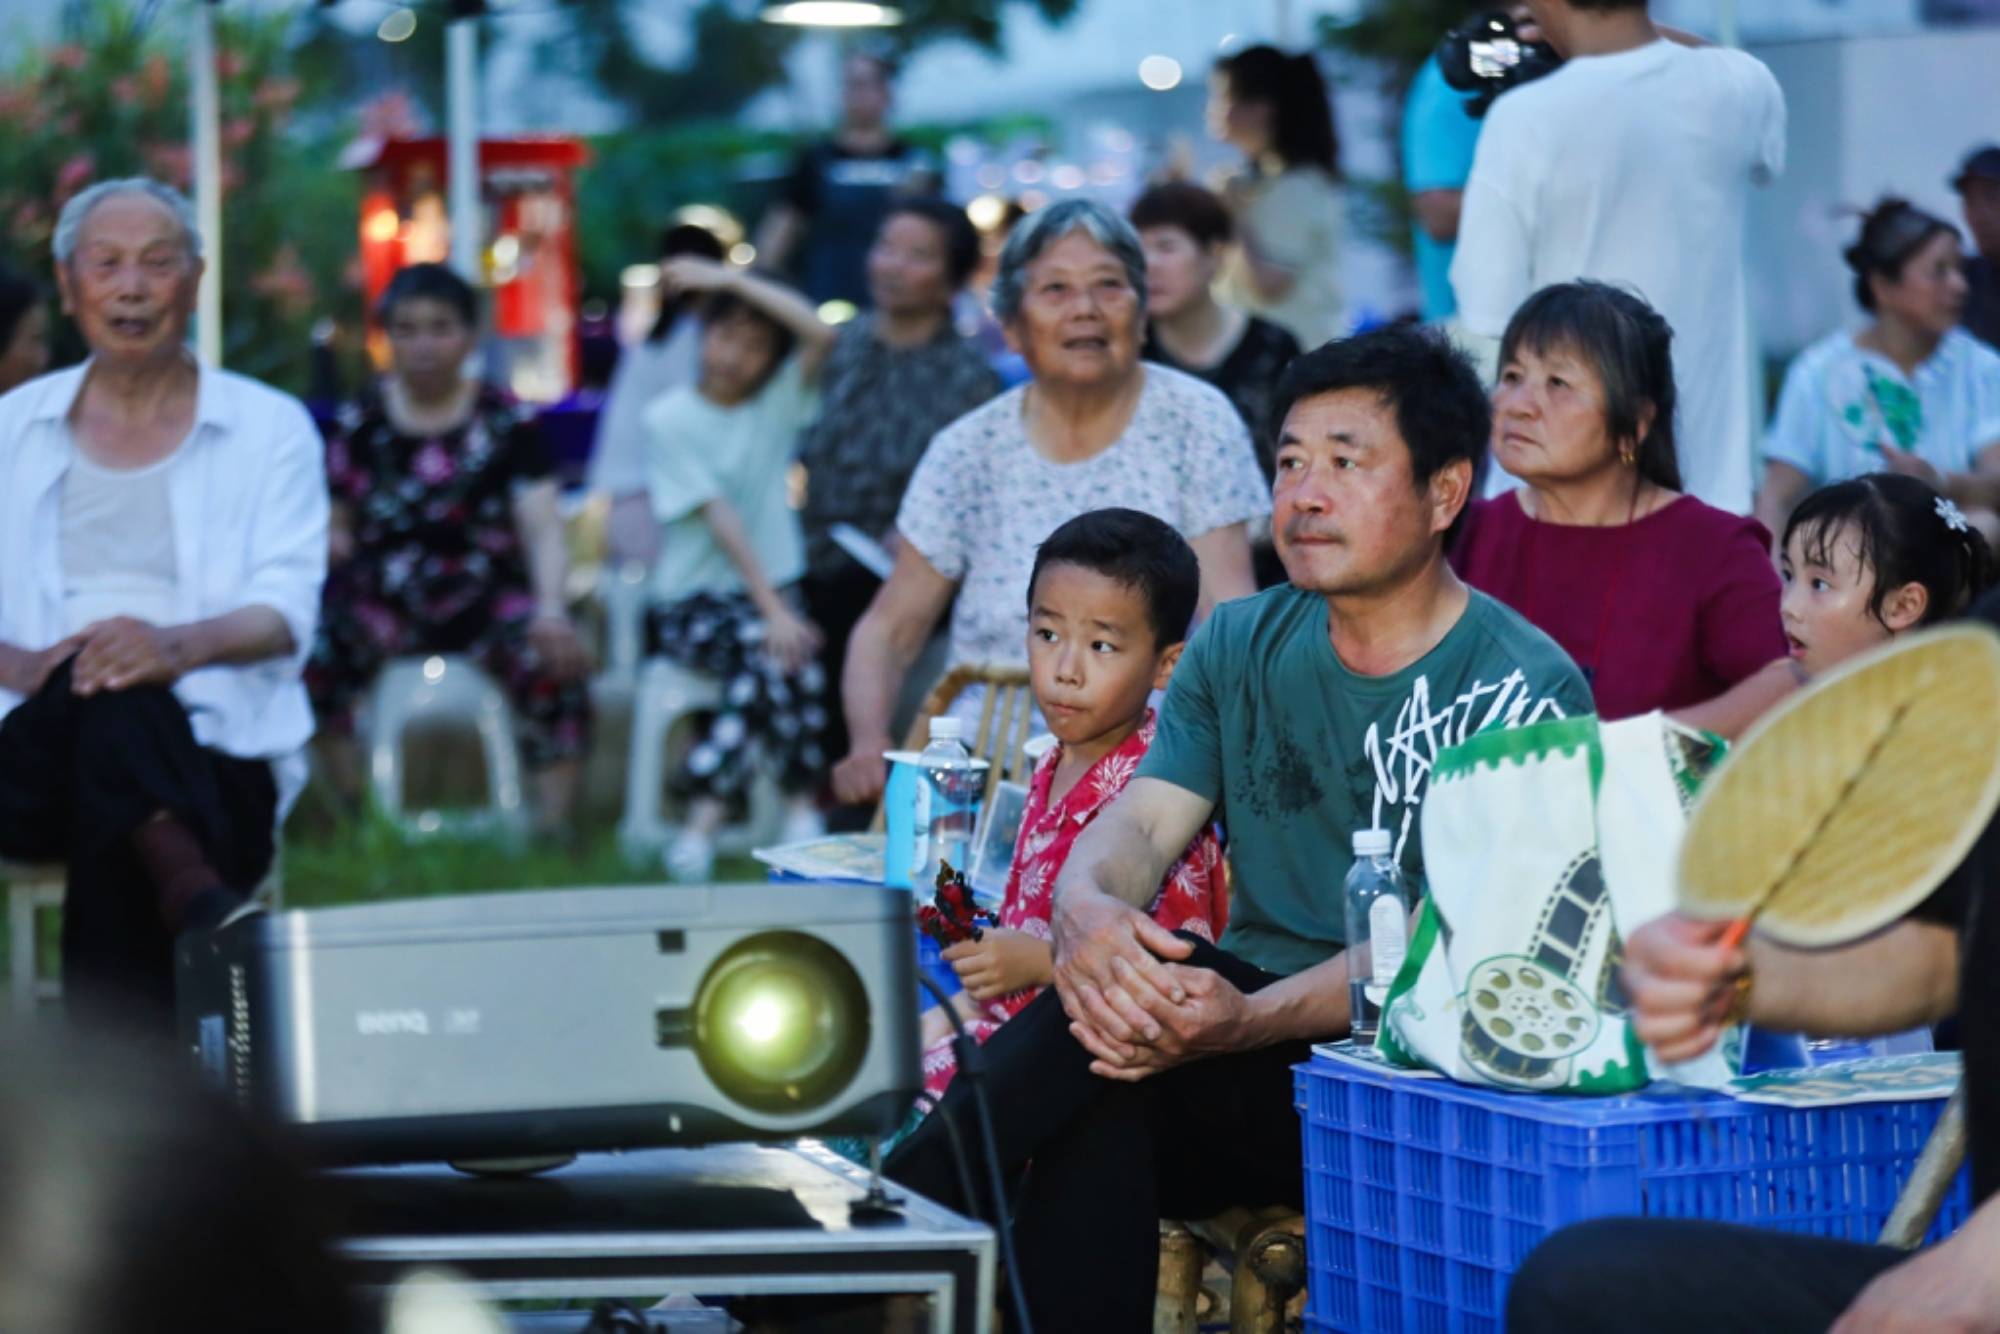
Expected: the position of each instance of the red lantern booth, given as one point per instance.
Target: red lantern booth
(527, 191)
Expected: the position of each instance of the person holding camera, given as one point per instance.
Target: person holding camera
(1632, 164)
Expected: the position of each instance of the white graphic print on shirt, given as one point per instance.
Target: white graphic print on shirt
(1403, 760)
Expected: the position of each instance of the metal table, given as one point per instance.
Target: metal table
(724, 1220)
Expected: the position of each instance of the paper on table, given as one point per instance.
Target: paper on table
(870, 554)
(1931, 1074)
(835, 857)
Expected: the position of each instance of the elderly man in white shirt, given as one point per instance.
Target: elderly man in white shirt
(163, 531)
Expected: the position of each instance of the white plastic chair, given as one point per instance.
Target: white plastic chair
(668, 696)
(31, 891)
(444, 689)
(623, 592)
(37, 888)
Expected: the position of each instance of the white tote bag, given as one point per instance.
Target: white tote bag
(1543, 845)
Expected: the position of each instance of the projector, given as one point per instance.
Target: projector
(551, 1022)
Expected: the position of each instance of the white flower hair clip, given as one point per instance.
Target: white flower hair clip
(1953, 516)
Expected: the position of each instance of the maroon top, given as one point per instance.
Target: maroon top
(1661, 613)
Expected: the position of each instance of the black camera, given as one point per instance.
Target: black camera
(1485, 56)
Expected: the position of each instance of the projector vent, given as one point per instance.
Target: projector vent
(239, 1035)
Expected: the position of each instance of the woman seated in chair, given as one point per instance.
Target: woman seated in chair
(1095, 427)
(446, 538)
(725, 601)
(1663, 601)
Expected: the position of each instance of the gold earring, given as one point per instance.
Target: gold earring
(1628, 455)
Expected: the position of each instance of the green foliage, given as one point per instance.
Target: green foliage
(637, 178)
(1398, 34)
(1395, 37)
(112, 100)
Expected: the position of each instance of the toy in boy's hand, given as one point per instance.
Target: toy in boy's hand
(952, 916)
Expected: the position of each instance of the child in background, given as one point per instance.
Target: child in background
(1110, 599)
(731, 548)
(1866, 559)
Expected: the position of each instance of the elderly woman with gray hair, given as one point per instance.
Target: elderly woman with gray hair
(163, 530)
(1094, 427)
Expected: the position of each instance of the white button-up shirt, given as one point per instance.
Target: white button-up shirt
(249, 504)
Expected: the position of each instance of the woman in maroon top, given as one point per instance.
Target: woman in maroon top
(1664, 602)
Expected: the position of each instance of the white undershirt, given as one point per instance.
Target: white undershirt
(117, 543)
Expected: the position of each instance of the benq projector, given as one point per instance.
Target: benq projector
(535, 1023)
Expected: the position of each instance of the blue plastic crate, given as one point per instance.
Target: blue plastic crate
(1423, 1196)
(930, 962)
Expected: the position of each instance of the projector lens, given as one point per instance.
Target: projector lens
(781, 1022)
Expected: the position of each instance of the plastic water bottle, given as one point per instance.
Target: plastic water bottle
(1378, 929)
(949, 802)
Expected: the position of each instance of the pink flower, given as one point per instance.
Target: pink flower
(238, 132)
(74, 175)
(275, 94)
(159, 78)
(172, 163)
(432, 465)
(68, 56)
(286, 283)
(390, 116)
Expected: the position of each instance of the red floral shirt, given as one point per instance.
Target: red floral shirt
(1192, 898)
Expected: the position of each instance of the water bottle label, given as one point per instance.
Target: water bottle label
(920, 830)
(1388, 939)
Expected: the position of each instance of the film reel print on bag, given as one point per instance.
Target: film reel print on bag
(1526, 1015)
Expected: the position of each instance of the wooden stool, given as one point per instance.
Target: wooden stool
(1266, 1252)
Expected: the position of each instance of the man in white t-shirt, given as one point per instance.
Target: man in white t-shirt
(1633, 164)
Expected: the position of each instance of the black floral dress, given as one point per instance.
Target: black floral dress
(438, 566)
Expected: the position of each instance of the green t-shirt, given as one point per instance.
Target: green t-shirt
(1298, 752)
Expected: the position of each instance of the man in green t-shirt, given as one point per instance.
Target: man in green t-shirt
(1155, 1077)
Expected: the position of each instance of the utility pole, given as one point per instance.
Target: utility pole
(205, 131)
(462, 138)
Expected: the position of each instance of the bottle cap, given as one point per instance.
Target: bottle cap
(1371, 842)
(947, 727)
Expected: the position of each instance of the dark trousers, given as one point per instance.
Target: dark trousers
(77, 776)
(835, 599)
(1636, 1275)
(1094, 1164)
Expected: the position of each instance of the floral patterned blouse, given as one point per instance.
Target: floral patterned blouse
(433, 516)
(1194, 897)
(983, 497)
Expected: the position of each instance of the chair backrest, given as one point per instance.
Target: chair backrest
(1006, 722)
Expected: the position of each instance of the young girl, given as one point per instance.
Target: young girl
(717, 456)
(1867, 559)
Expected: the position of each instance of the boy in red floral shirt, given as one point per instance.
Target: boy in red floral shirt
(1110, 600)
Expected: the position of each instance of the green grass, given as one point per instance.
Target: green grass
(371, 860)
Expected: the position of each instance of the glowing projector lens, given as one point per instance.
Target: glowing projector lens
(781, 1022)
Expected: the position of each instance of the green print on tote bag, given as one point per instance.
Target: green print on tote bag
(1542, 845)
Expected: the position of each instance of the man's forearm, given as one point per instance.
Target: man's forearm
(1117, 855)
(1894, 980)
(1308, 1006)
(248, 634)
